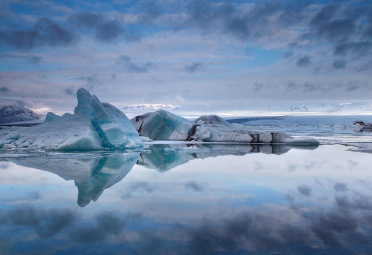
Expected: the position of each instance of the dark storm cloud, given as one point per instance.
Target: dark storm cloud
(339, 64)
(44, 33)
(191, 68)
(104, 30)
(130, 66)
(4, 89)
(304, 190)
(194, 186)
(303, 61)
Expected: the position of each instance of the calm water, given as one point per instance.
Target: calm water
(189, 199)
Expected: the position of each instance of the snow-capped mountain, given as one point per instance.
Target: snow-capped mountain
(325, 108)
(301, 108)
(12, 113)
(152, 107)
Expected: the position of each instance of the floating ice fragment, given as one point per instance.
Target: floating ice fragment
(163, 125)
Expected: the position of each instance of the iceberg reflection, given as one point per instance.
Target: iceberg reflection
(95, 172)
(303, 202)
(164, 157)
(92, 173)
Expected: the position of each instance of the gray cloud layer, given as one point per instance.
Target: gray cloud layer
(44, 33)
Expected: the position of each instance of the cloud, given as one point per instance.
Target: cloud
(137, 187)
(339, 64)
(304, 190)
(150, 11)
(69, 91)
(354, 203)
(91, 82)
(101, 228)
(130, 66)
(44, 33)
(191, 68)
(194, 186)
(4, 89)
(45, 223)
(366, 66)
(104, 30)
(48, 223)
(145, 186)
(34, 60)
(303, 61)
(340, 187)
(324, 26)
(353, 48)
(332, 226)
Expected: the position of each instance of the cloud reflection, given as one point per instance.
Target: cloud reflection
(93, 173)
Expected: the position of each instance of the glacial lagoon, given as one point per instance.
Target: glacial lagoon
(188, 199)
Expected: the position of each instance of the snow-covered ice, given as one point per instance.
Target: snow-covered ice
(163, 125)
(93, 126)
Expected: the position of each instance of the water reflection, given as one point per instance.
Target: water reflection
(164, 157)
(93, 173)
(302, 202)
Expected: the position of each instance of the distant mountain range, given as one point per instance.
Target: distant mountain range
(151, 106)
(333, 108)
(12, 113)
(300, 109)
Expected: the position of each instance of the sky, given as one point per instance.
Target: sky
(198, 57)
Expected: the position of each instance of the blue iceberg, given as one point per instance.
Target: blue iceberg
(93, 126)
(163, 125)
